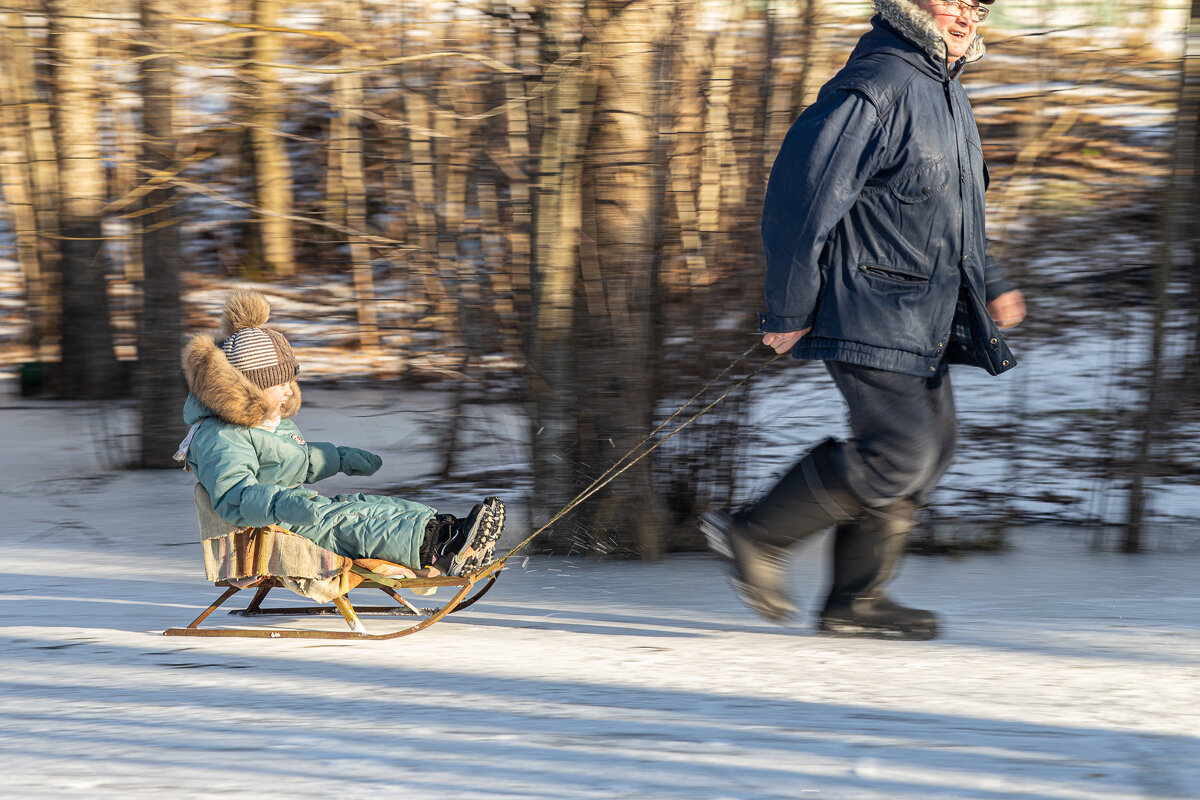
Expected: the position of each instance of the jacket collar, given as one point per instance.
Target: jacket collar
(916, 27)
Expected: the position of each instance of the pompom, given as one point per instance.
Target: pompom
(245, 308)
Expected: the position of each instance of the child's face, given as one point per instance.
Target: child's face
(276, 397)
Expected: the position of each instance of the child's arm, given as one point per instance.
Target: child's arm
(325, 459)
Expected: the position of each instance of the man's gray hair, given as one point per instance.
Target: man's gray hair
(917, 24)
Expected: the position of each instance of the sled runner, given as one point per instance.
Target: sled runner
(272, 557)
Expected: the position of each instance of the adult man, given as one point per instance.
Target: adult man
(873, 230)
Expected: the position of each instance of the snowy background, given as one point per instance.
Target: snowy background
(1064, 672)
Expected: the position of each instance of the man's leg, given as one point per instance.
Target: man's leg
(811, 497)
(905, 432)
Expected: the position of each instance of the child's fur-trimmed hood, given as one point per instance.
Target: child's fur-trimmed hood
(219, 385)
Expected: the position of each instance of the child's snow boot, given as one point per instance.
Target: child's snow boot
(467, 544)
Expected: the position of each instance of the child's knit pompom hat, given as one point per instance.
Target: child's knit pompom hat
(262, 354)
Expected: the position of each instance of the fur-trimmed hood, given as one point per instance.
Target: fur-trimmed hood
(918, 26)
(219, 386)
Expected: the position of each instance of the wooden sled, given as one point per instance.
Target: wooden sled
(271, 558)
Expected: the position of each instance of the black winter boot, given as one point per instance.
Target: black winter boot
(464, 545)
(808, 499)
(758, 575)
(866, 553)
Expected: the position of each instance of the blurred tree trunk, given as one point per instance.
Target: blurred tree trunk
(18, 168)
(793, 45)
(158, 384)
(782, 76)
(1159, 402)
(452, 148)
(272, 171)
(424, 200)
(125, 163)
(1190, 119)
(455, 144)
(688, 138)
(1156, 18)
(617, 355)
(515, 162)
(89, 363)
(718, 169)
(347, 186)
(43, 159)
(554, 435)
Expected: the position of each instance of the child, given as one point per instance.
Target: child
(252, 459)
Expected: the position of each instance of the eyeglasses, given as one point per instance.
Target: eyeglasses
(961, 7)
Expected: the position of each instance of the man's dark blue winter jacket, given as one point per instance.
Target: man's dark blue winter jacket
(873, 223)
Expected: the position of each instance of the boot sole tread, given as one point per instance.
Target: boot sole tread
(483, 543)
(855, 630)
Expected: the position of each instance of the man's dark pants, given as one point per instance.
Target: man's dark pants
(903, 433)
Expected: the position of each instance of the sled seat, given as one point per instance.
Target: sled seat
(271, 557)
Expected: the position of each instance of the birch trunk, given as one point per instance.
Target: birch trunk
(17, 91)
(453, 149)
(687, 141)
(424, 194)
(718, 170)
(126, 247)
(515, 162)
(37, 82)
(272, 171)
(349, 189)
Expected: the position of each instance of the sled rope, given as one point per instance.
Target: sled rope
(620, 466)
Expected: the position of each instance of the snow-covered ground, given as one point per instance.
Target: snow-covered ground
(1064, 672)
